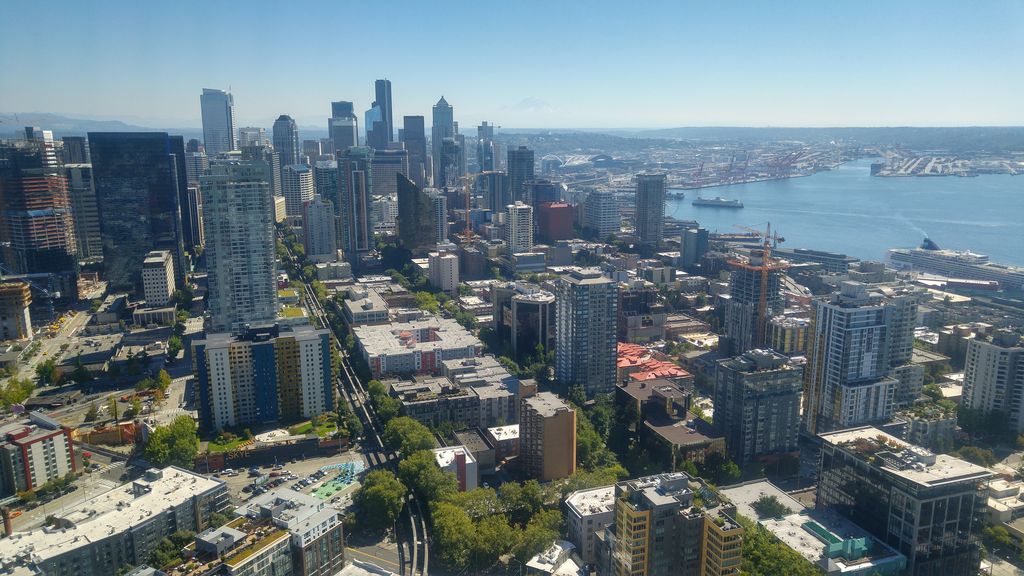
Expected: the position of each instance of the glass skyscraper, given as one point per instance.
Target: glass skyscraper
(218, 108)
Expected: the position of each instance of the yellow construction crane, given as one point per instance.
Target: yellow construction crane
(769, 240)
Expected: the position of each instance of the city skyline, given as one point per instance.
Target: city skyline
(802, 64)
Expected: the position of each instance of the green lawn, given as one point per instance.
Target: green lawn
(215, 447)
(322, 431)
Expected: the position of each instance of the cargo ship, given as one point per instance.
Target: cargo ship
(718, 202)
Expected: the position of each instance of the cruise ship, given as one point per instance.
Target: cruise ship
(718, 202)
(956, 264)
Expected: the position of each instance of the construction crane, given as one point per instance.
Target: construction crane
(767, 265)
(47, 295)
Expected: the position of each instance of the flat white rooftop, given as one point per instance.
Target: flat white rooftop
(591, 502)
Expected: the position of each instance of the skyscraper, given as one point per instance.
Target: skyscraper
(442, 126)
(492, 187)
(343, 127)
(485, 147)
(518, 228)
(694, 244)
(376, 127)
(520, 169)
(585, 351)
(286, 140)
(218, 109)
(382, 93)
(251, 136)
(415, 139)
(76, 150)
(650, 208)
(386, 164)
(238, 215)
(449, 171)
(140, 185)
(994, 378)
(601, 208)
(325, 180)
(355, 180)
(416, 216)
(857, 340)
(297, 182)
(745, 327)
(319, 230)
(757, 404)
(37, 229)
(82, 193)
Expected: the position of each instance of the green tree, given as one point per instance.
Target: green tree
(493, 536)
(521, 501)
(174, 346)
(93, 413)
(453, 534)
(163, 381)
(379, 500)
(406, 435)
(175, 444)
(16, 391)
(46, 371)
(217, 519)
(979, 456)
(765, 555)
(537, 536)
(769, 507)
(478, 503)
(427, 301)
(137, 408)
(420, 472)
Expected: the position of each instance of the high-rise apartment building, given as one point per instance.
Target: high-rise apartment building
(650, 208)
(238, 215)
(518, 228)
(140, 188)
(757, 404)
(271, 158)
(263, 374)
(34, 452)
(15, 320)
(745, 325)
(251, 136)
(355, 182)
(442, 127)
(440, 202)
(298, 188)
(196, 163)
(994, 378)
(415, 138)
(37, 229)
(286, 140)
(158, 278)
(319, 230)
(382, 94)
(554, 221)
(547, 437)
(858, 338)
(930, 507)
(325, 179)
(443, 270)
(601, 209)
(387, 164)
(343, 127)
(218, 108)
(520, 171)
(585, 351)
(670, 525)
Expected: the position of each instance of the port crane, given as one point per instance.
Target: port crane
(769, 240)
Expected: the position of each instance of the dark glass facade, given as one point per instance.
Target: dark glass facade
(415, 216)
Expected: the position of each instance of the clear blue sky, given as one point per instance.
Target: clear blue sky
(523, 63)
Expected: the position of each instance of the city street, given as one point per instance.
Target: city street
(88, 486)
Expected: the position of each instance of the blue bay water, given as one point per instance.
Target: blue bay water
(849, 211)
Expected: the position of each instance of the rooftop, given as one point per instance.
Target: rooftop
(110, 513)
(445, 456)
(591, 502)
(682, 432)
(546, 403)
(430, 333)
(500, 433)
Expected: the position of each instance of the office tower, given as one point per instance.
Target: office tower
(492, 188)
(601, 209)
(82, 194)
(442, 127)
(218, 108)
(297, 185)
(524, 315)
(518, 228)
(76, 150)
(15, 320)
(650, 208)
(554, 221)
(141, 185)
(757, 405)
(547, 437)
(311, 151)
(520, 170)
(857, 347)
(263, 374)
(745, 325)
(417, 219)
(585, 352)
(325, 179)
(194, 145)
(319, 230)
(194, 213)
(251, 136)
(541, 190)
(930, 507)
(158, 278)
(37, 228)
(449, 171)
(343, 127)
(443, 270)
(376, 127)
(387, 164)
(196, 163)
(382, 95)
(994, 378)
(355, 181)
(440, 202)
(415, 138)
(286, 140)
(694, 245)
(485, 147)
(238, 215)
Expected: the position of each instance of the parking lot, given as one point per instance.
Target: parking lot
(305, 476)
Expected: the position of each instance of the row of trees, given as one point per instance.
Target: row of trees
(175, 443)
